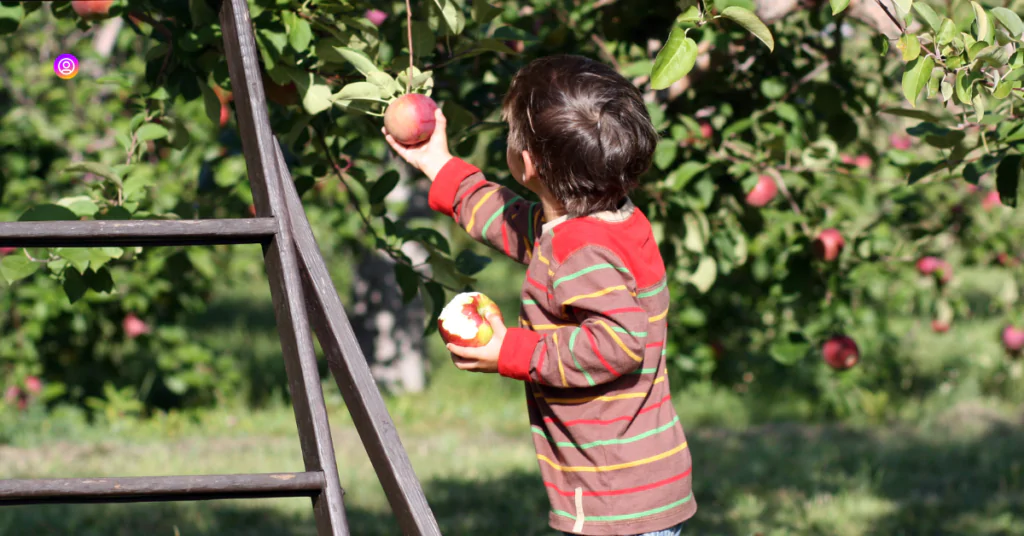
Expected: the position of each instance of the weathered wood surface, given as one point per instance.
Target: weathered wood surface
(127, 233)
(159, 488)
(352, 373)
(260, 149)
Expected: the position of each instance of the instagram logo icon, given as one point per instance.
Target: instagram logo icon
(66, 66)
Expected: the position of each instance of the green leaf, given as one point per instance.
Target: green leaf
(904, 5)
(751, 23)
(202, 261)
(963, 87)
(435, 297)
(423, 39)
(95, 168)
(482, 12)
(300, 35)
(1009, 20)
(1008, 181)
(689, 16)
(150, 132)
(388, 86)
(451, 15)
(470, 263)
(698, 231)
(136, 185)
(408, 281)
(1003, 90)
(946, 32)
(383, 186)
(17, 266)
(358, 59)
(77, 257)
(928, 14)
(665, 153)
(11, 15)
(704, 276)
(74, 285)
(790, 350)
(979, 105)
(358, 91)
(839, 5)
(916, 77)
(318, 97)
(674, 61)
(773, 88)
(99, 280)
(48, 212)
(910, 46)
(81, 205)
(981, 18)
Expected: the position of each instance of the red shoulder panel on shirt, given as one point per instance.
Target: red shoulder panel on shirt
(631, 240)
(442, 192)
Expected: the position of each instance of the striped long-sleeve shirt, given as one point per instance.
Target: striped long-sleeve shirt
(590, 349)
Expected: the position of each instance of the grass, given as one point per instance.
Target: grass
(948, 463)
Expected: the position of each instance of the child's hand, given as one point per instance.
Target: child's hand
(482, 358)
(429, 156)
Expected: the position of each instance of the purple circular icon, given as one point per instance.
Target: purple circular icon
(66, 66)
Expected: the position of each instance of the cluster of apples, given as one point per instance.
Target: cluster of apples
(20, 396)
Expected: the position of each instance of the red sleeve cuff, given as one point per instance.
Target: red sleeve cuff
(517, 352)
(446, 184)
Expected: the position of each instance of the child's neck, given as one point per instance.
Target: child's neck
(552, 208)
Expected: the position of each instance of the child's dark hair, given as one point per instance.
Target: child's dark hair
(586, 128)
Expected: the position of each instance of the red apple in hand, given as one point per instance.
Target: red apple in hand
(410, 118)
(463, 322)
(1013, 339)
(91, 9)
(828, 245)
(840, 352)
(763, 192)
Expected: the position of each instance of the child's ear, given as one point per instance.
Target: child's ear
(529, 170)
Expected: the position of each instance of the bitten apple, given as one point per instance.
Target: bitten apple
(410, 118)
(840, 352)
(463, 322)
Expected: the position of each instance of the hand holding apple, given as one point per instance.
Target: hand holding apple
(472, 326)
(425, 149)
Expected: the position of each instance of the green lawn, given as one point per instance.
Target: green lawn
(949, 464)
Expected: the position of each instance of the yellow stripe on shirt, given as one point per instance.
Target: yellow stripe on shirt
(603, 468)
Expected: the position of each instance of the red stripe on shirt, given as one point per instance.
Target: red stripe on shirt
(593, 344)
(605, 493)
(624, 310)
(652, 407)
(655, 344)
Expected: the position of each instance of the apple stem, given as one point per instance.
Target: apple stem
(408, 26)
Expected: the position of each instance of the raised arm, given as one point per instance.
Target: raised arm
(490, 213)
(604, 338)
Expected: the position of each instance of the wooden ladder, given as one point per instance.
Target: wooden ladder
(303, 296)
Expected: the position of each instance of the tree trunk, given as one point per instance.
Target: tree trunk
(389, 331)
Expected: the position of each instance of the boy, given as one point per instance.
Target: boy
(590, 346)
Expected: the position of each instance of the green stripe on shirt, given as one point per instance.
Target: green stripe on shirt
(618, 441)
(636, 515)
(653, 291)
(572, 343)
(586, 271)
(483, 233)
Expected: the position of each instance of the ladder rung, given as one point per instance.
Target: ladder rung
(159, 488)
(115, 233)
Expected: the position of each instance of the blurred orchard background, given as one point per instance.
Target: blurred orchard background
(836, 195)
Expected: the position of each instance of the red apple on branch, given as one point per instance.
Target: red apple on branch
(134, 326)
(376, 16)
(938, 326)
(33, 385)
(763, 192)
(1013, 339)
(840, 352)
(928, 265)
(92, 9)
(828, 245)
(410, 118)
(463, 322)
